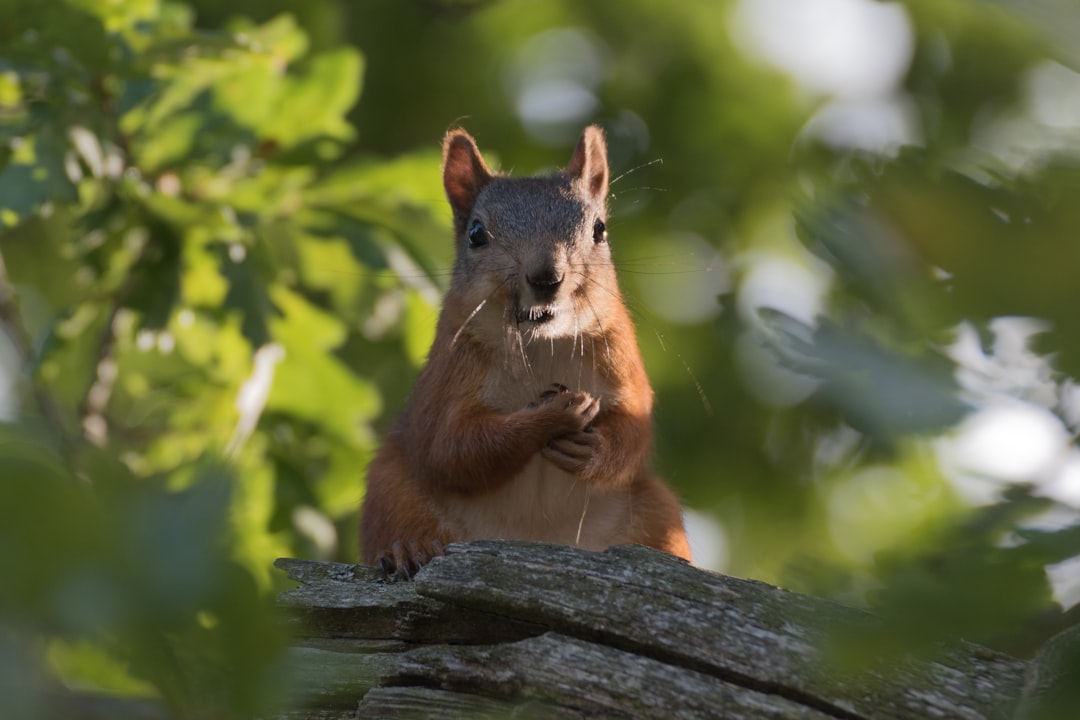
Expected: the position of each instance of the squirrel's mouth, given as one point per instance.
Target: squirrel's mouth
(537, 315)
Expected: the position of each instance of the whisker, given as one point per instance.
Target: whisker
(386, 274)
(599, 323)
(393, 274)
(640, 188)
(635, 305)
(705, 403)
(525, 364)
(461, 329)
(646, 273)
(657, 161)
(584, 509)
(577, 334)
(697, 385)
(592, 353)
(476, 310)
(573, 344)
(511, 339)
(677, 264)
(653, 259)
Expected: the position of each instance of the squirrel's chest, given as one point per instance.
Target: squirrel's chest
(526, 373)
(542, 504)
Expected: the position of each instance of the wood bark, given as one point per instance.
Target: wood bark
(522, 630)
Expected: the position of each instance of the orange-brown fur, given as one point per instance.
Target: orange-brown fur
(532, 417)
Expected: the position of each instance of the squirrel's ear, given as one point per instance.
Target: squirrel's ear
(589, 164)
(464, 171)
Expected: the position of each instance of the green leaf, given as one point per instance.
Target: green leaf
(248, 294)
(119, 15)
(35, 175)
(420, 319)
(155, 287)
(881, 392)
(309, 375)
(314, 103)
(92, 667)
(281, 38)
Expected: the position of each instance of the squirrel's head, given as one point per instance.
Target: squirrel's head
(532, 252)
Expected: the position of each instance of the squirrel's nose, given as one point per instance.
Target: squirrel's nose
(545, 282)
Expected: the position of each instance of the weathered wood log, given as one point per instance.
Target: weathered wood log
(501, 629)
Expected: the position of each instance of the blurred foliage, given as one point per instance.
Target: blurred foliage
(186, 255)
(220, 268)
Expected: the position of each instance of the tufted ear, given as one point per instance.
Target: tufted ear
(464, 173)
(589, 165)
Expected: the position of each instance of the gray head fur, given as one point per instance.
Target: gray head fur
(531, 251)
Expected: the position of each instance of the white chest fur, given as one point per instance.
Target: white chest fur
(528, 371)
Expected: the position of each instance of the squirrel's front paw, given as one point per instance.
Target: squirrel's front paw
(551, 393)
(404, 560)
(573, 452)
(567, 411)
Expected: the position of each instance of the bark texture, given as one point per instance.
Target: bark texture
(506, 629)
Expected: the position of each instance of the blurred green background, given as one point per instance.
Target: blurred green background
(847, 230)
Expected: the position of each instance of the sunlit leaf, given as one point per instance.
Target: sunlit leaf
(314, 103)
(281, 37)
(419, 319)
(309, 373)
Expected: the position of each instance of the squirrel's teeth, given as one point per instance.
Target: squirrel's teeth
(538, 315)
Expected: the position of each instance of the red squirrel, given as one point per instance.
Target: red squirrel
(532, 417)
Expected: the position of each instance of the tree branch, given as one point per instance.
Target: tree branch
(551, 631)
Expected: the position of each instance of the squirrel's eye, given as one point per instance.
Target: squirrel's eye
(478, 236)
(599, 232)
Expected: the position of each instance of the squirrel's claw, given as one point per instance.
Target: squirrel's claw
(553, 392)
(405, 560)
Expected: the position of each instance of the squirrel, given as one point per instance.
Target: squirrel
(531, 419)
